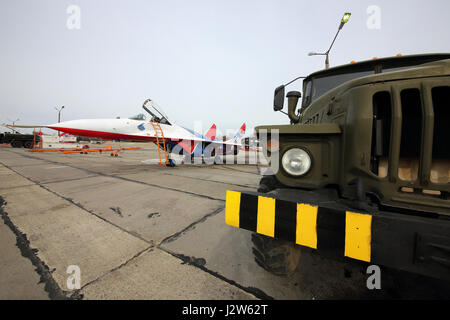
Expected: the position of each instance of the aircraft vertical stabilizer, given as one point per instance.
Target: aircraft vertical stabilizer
(211, 134)
(238, 134)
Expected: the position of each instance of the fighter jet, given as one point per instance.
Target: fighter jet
(168, 136)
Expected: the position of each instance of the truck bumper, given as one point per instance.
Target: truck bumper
(411, 243)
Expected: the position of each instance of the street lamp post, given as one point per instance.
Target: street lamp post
(326, 54)
(14, 122)
(59, 114)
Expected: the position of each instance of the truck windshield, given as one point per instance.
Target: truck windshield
(317, 86)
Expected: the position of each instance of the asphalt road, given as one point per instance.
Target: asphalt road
(137, 230)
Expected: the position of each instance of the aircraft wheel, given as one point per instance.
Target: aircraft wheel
(171, 163)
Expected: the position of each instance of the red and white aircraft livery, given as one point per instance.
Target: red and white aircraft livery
(159, 129)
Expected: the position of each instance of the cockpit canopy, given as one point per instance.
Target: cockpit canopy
(156, 112)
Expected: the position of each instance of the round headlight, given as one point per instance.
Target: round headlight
(296, 162)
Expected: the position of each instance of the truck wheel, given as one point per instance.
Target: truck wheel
(276, 256)
(268, 183)
(16, 144)
(28, 144)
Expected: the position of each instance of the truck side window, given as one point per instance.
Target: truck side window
(308, 93)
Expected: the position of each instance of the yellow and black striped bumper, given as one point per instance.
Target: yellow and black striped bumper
(307, 225)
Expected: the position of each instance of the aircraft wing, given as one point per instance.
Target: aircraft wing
(22, 126)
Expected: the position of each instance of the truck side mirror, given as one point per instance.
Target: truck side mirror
(278, 99)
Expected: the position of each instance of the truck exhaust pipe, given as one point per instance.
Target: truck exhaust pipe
(293, 97)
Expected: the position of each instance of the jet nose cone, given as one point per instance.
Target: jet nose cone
(65, 124)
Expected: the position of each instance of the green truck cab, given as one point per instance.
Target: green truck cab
(362, 169)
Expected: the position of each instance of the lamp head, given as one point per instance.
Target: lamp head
(346, 17)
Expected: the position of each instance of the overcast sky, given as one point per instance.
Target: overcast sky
(209, 61)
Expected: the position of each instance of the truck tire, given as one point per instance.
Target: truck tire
(16, 144)
(28, 144)
(276, 256)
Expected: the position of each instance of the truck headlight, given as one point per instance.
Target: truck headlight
(296, 162)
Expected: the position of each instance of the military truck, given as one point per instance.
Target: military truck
(18, 140)
(363, 169)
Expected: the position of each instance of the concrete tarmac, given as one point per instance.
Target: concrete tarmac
(18, 280)
(137, 230)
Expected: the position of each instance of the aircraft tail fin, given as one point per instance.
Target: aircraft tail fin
(238, 134)
(241, 131)
(211, 134)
